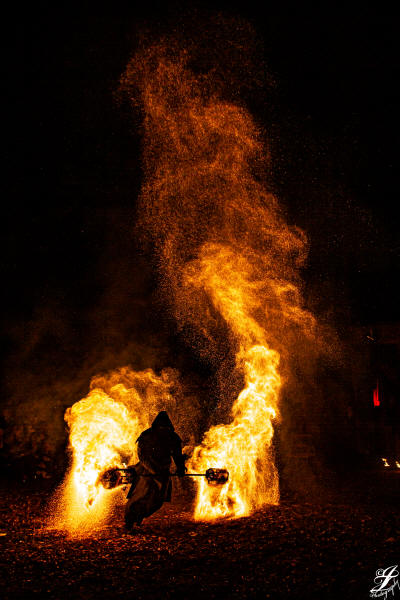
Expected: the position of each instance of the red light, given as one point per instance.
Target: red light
(376, 399)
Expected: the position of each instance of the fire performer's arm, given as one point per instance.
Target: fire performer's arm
(179, 458)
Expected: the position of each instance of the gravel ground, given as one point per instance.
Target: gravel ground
(294, 550)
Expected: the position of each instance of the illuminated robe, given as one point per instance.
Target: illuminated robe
(152, 485)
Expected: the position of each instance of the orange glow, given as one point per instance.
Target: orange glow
(104, 428)
(229, 263)
(230, 269)
(243, 445)
(101, 432)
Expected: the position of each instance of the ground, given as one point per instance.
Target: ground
(299, 549)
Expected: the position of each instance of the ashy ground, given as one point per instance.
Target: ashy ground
(299, 549)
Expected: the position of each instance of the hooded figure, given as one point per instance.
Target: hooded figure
(152, 485)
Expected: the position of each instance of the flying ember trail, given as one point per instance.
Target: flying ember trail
(229, 264)
(244, 445)
(103, 429)
(230, 270)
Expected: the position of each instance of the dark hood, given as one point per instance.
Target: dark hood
(162, 420)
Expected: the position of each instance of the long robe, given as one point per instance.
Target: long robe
(147, 494)
(152, 485)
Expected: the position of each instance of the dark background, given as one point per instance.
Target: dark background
(78, 295)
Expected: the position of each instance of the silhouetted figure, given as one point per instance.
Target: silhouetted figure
(152, 485)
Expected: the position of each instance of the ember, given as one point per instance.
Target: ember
(104, 427)
(229, 263)
(230, 266)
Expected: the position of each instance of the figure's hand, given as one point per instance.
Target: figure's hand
(181, 471)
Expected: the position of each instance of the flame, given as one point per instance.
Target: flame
(244, 445)
(385, 462)
(103, 429)
(102, 432)
(229, 262)
(230, 269)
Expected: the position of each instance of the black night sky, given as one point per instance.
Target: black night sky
(75, 287)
